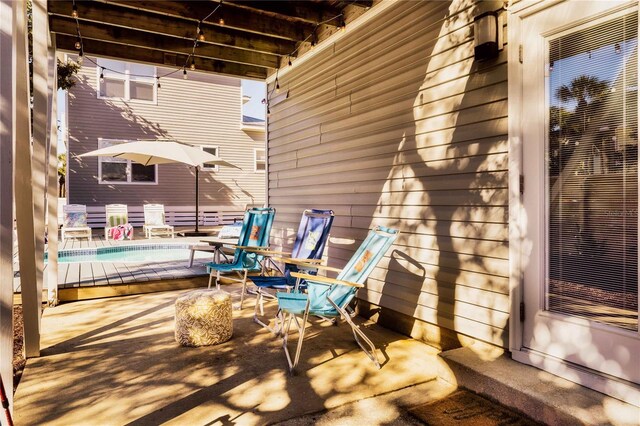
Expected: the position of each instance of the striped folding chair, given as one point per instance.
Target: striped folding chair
(116, 215)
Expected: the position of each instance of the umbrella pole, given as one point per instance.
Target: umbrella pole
(196, 232)
(197, 199)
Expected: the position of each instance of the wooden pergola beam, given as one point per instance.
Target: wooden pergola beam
(159, 58)
(127, 18)
(129, 37)
(365, 4)
(314, 13)
(240, 19)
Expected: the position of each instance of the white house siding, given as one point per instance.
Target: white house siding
(205, 109)
(395, 124)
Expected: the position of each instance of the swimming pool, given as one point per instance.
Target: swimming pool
(130, 254)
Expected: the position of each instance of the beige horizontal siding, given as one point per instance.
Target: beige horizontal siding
(396, 124)
(205, 109)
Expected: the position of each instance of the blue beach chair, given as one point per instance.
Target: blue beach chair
(329, 297)
(308, 248)
(256, 227)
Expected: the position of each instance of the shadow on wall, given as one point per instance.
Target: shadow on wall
(90, 118)
(447, 193)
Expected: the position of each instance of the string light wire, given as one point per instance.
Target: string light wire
(191, 56)
(199, 36)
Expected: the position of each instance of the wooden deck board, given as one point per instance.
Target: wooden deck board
(99, 275)
(106, 273)
(72, 278)
(135, 273)
(111, 273)
(153, 272)
(63, 268)
(86, 274)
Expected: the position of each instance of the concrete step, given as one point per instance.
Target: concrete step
(540, 395)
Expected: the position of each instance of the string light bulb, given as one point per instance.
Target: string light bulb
(314, 41)
(200, 36)
(617, 48)
(551, 66)
(268, 112)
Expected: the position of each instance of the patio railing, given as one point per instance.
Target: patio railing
(174, 215)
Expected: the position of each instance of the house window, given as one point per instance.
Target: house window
(259, 160)
(122, 80)
(211, 149)
(119, 171)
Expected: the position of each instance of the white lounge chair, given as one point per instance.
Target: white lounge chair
(154, 221)
(116, 215)
(75, 222)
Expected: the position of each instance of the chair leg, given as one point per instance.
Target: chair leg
(211, 279)
(193, 252)
(218, 280)
(279, 323)
(244, 286)
(255, 309)
(257, 320)
(301, 331)
(358, 335)
(285, 338)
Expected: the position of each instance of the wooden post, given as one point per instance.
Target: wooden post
(6, 195)
(31, 300)
(52, 190)
(40, 157)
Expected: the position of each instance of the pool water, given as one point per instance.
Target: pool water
(131, 254)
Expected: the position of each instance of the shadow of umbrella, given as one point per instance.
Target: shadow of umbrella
(149, 153)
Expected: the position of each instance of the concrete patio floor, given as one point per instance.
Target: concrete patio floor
(115, 361)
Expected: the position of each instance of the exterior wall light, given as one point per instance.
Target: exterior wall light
(487, 40)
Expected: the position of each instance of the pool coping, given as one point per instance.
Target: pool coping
(120, 248)
(121, 277)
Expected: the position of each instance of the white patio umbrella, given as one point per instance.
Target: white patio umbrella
(149, 153)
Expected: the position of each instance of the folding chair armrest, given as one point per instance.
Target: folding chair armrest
(310, 263)
(327, 268)
(263, 252)
(249, 248)
(325, 280)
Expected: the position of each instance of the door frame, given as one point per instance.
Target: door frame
(520, 249)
